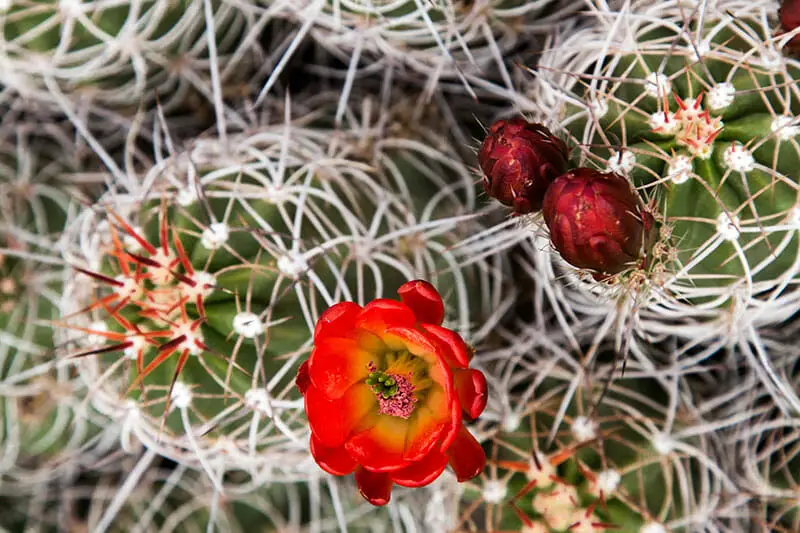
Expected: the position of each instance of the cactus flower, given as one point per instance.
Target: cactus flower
(519, 160)
(597, 221)
(384, 391)
(789, 15)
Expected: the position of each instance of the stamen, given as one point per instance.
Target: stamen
(395, 392)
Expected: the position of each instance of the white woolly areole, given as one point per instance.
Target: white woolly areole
(772, 59)
(215, 235)
(511, 422)
(721, 96)
(680, 169)
(598, 107)
(556, 506)
(132, 351)
(699, 49)
(292, 266)
(608, 481)
(663, 444)
(258, 400)
(130, 287)
(186, 197)
(161, 274)
(181, 395)
(70, 8)
(93, 338)
(583, 429)
(622, 162)
(784, 129)
(664, 123)
(204, 285)
(728, 226)
(653, 527)
(494, 491)
(247, 325)
(738, 158)
(657, 84)
(193, 338)
(542, 476)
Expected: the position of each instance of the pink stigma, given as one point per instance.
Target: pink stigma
(401, 403)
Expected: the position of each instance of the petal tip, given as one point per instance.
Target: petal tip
(424, 300)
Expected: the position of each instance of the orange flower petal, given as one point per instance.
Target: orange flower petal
(424, 300)
(337, 364)
(421, 472)
(332, 421)
(337, 321)
(334, 461)
(454, 428)
(413, 340)
(374, 486)
(380, 448)
(380, 314)
(452, 346)
(427, 424)
(471, 388)
(467, 457)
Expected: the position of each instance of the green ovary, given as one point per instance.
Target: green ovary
(713, 142)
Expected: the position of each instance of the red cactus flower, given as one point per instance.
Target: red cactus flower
(789, 15)
(519, 160)
(384, 390)
(597, 221)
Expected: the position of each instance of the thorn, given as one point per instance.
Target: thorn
(99, 277)
(129, 230)
(104, 349)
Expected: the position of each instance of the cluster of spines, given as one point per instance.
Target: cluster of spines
(150, 283)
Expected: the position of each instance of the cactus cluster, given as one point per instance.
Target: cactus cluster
(588, 210)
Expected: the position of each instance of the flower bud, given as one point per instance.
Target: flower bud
(789, 15)
(519, 160)
(597, 221)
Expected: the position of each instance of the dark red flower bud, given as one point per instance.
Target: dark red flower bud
(597, 221)
(789, 15)
(519, 160)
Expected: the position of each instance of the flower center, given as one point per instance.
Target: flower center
(395, 392)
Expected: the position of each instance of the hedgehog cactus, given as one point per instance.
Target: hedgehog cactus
(194, 301)
(697, 109)
(611, 467)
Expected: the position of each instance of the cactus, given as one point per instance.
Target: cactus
(193, 299)
(42, 422)
(558, 461)
(186, 187)
(764, 440)
(117, 54)
(696, 114)
(461, 40)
